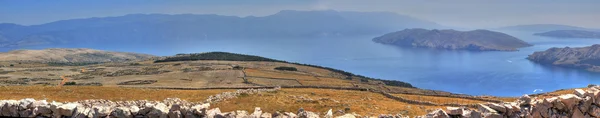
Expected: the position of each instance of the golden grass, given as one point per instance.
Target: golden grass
(439, 100)
(75, 93)
(272, 74)
(361, 102)
(327, 82)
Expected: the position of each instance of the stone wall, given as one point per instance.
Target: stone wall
(168, 108)
(580, 104)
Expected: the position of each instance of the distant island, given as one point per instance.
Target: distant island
(587, 58)
(476, 40)
(570, 34)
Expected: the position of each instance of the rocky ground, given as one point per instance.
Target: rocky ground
(580, 104)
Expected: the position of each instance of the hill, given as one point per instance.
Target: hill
(241, 57)
(476, 40)
(570, 34)
(66, 55)
(544, 28)
(587, 58)
(136, 28)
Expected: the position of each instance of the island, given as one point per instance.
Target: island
(570, 34)
(587, 58)
(476, 40)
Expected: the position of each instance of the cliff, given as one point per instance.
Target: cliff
(587, 58)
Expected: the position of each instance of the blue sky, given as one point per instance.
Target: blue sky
(458, 13)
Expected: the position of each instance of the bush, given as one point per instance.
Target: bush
(286, 68)
(135, 64)
(70, 83)
(11, 65)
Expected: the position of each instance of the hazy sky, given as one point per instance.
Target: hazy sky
(457, 13)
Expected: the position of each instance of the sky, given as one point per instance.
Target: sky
(453, 13)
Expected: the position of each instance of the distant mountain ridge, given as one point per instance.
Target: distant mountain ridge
(71, 55)
(544, 28)
(570, 34)
(135, 28)
(476, 40)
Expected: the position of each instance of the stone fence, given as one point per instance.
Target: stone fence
(580, 104)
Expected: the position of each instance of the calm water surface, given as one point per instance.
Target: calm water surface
(475, 73)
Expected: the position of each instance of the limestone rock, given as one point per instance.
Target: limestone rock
(257, 112)
(439, 113)
(525, 100)
(329, 114)
(579, 93)
(213, 112)
(346, 116)
(485, 109)
(454, 110)
(122, 112)
(265, 115)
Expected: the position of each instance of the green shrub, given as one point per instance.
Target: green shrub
(70, 83)
(284, 68)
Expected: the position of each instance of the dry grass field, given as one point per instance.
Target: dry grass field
(75, 93)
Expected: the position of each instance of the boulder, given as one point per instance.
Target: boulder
(213, 112)
(42, 110)
(346, 116)
(10, 108)
(257, 112)
(159, 110)
(585, 104)
(491, 115)
(525, 100)
(265, 115)
(26, 113)
(594, 111)
(307, 114)
(134, 110)
(577, 114)
(122, 112)
(570, 100)
(82, 112)
(200, 110)
(26, 103)
(454, 110)
(289, 115)
(497, 107)
(439, 113)
(175, 111)
(329, 114)
(485, 109)
(579, 93)
(101, 111)
(241, 114)
(66, 110)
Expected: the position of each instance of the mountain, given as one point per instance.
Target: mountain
(476, 40)
(587, 58)
(570, 34)
(544, 28)
(136, 28)
(71, 55)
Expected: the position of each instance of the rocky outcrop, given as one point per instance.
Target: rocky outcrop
(587, 58)
(581, 104)
(476, 40)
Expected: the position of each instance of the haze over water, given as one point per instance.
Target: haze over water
(476, 73)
